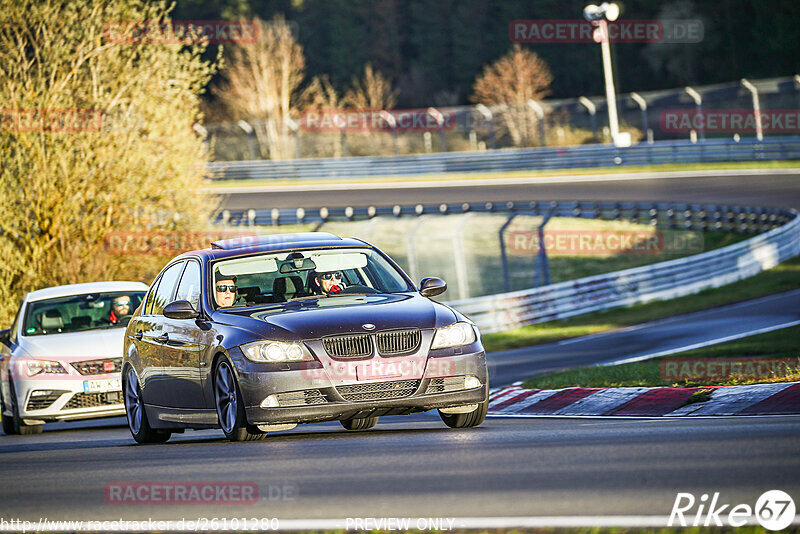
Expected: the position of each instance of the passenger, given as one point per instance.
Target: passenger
(330, 283)
(225, 290)
(120, 307)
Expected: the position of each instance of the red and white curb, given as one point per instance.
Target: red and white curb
(758, 399)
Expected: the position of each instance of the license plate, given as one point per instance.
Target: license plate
(101, 386)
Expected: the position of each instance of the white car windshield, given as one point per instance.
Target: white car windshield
(306, 274)
(78, 313)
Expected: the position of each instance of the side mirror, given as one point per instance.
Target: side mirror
(5, 336)
(180, 309)
(430, 287)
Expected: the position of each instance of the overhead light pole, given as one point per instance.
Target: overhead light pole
(599, 17)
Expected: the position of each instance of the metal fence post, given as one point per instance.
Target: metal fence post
(539, 110)
(542, 274)
(413, 270)
(592, 109)
(756, 107)
(489, 116)
(645, 125)
(503, 254)
(459, 259)
(698, 102)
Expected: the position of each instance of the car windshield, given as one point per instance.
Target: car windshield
(78, 313)
(307, 274)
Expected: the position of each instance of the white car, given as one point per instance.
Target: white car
(61, 359)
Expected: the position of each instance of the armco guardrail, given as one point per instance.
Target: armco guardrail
(670, 214)
(710, 150)
(659, 281)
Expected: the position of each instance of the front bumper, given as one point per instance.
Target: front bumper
(63, 399)
(302, 399)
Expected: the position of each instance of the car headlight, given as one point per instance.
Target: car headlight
(455, 335)
(36, 367)
(276, 351)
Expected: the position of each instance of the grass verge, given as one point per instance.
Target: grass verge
(783, 277)
(732, 165)
(778, 345)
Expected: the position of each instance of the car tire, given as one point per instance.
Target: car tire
(8, 422)
(362, 423)
(135, 413)
(17, 424)
(466, 420)
(230, 406)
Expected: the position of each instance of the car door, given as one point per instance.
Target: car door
(151, 342)
(186, 341)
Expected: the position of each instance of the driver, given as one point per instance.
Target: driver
(120, 307)
(331, 283)
(225, 290)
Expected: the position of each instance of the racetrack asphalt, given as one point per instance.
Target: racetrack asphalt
(770, 189)
(412, 466)
(645, 340)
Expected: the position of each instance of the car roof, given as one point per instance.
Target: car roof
(273, 243)
(80, 289)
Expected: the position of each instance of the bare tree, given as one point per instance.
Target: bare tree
(373, 91)
(509, 83)
(320, 95)
(263, 83)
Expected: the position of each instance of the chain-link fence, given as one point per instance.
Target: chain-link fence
(485, 254)
(714, 111)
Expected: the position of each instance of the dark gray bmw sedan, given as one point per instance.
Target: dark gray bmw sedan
(259, 334)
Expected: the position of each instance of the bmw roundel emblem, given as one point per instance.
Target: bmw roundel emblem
(368, 326)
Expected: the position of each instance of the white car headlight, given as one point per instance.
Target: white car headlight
(455, 335)
(36, 367)
(276, 351)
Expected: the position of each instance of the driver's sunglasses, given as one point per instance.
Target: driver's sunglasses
(122, 303)
(328, 276)
(223, 288)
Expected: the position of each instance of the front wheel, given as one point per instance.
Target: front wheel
(466, 420)
(359, 424)
(16, 425)
(230, 407)
(138, 424)
(8, 421)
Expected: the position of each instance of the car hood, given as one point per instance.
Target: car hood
(315, 318)
(75, 346)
